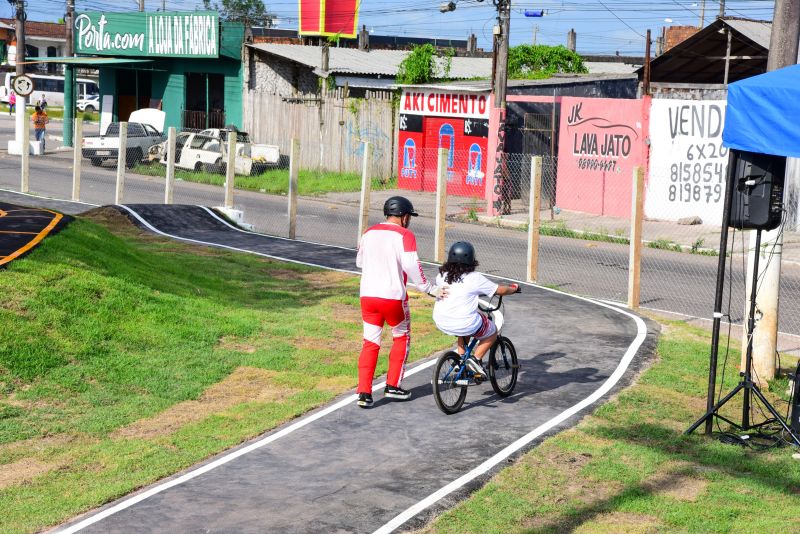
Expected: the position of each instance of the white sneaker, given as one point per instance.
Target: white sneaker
(476, 366)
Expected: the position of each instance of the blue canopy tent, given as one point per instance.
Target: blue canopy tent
(763, 113)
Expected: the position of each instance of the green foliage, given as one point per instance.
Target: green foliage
(249, 12)
(421, 65)
(542, 61)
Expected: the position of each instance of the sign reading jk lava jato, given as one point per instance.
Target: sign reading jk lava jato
(192, 34)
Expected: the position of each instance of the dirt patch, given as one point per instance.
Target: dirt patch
(114, 221)
(325, 279)
(346, 314)
(620, 523)
(23, 471)
(245, 384)
(678, 481)
(233, 343)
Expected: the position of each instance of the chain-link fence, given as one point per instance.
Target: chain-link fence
(585, 225)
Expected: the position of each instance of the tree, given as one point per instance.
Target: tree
(423, 64)
(542, 61)
(249, 12)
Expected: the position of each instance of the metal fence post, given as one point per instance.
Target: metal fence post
(77, 160)
(169, 184)
(25, 153)
(441, 205)
(366, 190)
(230, 170)
(534, 218)
(635, 255)
(294, 164)
(121, 162)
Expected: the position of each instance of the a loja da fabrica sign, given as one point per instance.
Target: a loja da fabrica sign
(194, 34)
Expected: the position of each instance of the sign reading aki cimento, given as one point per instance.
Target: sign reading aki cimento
(193, 34)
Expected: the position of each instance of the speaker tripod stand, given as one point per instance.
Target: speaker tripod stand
(746, 384)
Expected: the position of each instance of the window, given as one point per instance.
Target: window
(135, 130)
(199, 141)
(150, 130)
(181, 139)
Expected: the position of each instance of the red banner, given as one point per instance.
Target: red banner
(329, 17)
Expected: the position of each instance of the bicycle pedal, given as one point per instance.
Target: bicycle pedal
(462, 382)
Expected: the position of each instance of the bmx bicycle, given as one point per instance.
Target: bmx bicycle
(452, 376)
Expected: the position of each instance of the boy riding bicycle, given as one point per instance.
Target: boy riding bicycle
(458, 314)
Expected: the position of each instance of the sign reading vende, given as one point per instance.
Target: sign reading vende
(445, 104)
(193, 34)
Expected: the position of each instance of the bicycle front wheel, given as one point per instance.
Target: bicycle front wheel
(503, 366)
(449, 395)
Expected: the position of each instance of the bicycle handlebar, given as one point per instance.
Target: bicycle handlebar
(499, 302)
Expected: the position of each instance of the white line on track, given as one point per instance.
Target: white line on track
(409, 513)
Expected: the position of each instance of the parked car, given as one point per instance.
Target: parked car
(144, 130)
(207, 151)
(89, 104)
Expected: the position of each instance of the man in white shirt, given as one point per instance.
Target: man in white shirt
(387, 256)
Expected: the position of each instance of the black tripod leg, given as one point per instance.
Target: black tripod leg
(777, 416)
(715, 409)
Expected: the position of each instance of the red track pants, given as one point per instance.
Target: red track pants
(375, 312)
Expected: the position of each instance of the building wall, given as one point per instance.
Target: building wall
(277, 76)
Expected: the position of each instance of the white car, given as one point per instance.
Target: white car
(89, 104)
(207, 151)
(144, 130)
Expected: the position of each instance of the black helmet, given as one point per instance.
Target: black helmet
(462, 252)
(398, 206)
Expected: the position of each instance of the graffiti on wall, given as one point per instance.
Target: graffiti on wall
(370, 132)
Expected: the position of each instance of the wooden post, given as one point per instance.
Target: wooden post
(366, 190)
(169, 183)
(294, 164)
(121, 160)
(534, 219)
(77, 159)
(441, 205)
(25, 152)
(635, 256)
(230, 169)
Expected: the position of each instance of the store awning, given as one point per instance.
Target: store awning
(84, 60)
(96, 62)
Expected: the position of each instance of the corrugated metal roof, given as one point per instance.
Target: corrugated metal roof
(756, 30)
(376, 62)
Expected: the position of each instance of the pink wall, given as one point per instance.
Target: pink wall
(601, 141)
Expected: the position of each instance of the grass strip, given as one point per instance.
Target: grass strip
(275, 181)
(127, 357)
(629, 468)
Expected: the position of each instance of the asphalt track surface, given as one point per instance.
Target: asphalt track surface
(23, 228)
(345, 469)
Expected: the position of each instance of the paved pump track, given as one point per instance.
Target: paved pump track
(23, 228)
(344, 469)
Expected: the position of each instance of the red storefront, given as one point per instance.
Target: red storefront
(434, 119)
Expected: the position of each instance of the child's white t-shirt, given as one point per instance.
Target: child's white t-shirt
(457, 314)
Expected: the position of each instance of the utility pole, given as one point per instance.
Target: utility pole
(535, 33)
(702, 14)
(141, 5)
(497, 202)
(19, 29)
(69, 76)
(722, 9)
(783, 48)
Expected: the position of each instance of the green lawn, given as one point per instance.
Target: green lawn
(125, 358)
(629, 468)
(58, 113)
(275, 181)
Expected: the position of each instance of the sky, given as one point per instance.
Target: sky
(602, 26)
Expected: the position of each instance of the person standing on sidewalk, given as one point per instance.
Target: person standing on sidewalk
(12, 102)
(40, 120)
(387, 256)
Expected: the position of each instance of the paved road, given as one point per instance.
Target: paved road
(345, 469)
(680, 283)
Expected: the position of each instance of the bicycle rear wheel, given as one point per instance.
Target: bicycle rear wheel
(503, 366)
(449, 395)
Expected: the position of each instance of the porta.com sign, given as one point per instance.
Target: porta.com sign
(193, 34)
